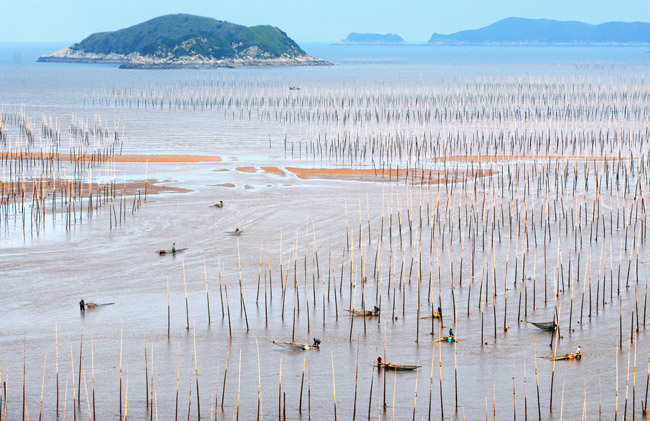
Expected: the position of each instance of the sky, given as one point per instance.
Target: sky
(303, 20)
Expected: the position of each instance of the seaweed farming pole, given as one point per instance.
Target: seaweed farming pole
(557, 334)
(627, 380)
(196, 374)
(442, 408)
(259, 274)
(40, 411)
(57, 369)
(634, 382)
(334, 387)
(525, 389)
(74, 404)
(259, 384)
(415, 394)
(207, 292)
(121, 334)
(228, 308)
(238, 385)
(456, 373)
(372, 382)
(220, 287)
(280, 393)
(433, 359)
(225, 375)
(644, 403)
(92, 368)
(356, 381)
(539, 408)
(302, 384)
(187, 308)
(241, 292)
(24, 375)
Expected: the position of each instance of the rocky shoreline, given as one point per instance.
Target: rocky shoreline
(137, 61)
(200, 63)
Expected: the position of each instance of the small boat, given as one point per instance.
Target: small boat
(396, 367)
(366, 313)
(547, 326)
(217, 205)
(572, 356)
(298, 346)
(236, 232)
(447, 338)
(164, 252)
(294, 88)
(435, 315)
(95, 305)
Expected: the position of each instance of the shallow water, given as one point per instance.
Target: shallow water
(289, 221)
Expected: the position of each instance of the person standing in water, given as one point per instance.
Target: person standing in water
(82, 305)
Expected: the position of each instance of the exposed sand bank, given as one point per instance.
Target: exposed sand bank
(49, 187)
(412, 176)
(273, 170)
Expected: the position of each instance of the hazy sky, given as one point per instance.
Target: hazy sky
(303, 20)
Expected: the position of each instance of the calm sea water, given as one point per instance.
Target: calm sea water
(43, 274)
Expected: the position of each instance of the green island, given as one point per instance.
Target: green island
(187, 41)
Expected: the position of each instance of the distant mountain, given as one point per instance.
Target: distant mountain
(355, 38)
(178, 41)
(546, 31)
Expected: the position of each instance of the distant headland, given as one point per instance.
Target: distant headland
(187, 41)
(521, 31)
(371, 39)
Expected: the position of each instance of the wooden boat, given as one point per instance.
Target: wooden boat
(547, 326)
(163, 252)
(366, 313)
(572, 356)
(396, 367)
(447, 338)
(435, 315)
(238, 232)
(298, 346)
(95, 305)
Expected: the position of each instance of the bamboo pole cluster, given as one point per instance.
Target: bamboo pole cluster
(46, 175)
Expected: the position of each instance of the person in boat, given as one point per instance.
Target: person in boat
(316, 344)
(451, 336)
(236, 229)
(174, 248)
(380, 363)
(82, 305)
(220, 204)
(376, 310)
(579, 352)
(439, 312)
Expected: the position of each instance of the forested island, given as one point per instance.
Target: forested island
(187, 41)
